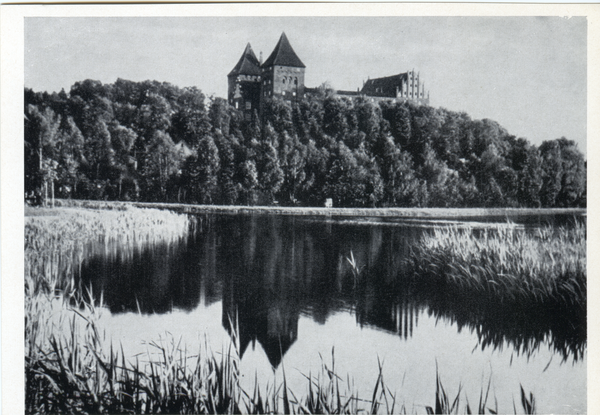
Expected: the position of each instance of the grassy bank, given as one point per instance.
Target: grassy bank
(71, 366)
(322, 211)
(506, 265)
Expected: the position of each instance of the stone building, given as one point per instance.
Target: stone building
(244, 82)
(402, 87)
(282, 76)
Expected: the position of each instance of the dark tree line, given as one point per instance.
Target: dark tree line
(154, 141)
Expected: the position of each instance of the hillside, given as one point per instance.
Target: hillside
(156, 142)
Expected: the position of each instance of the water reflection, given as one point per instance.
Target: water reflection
(268, 271)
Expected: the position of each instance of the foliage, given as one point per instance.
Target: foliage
(152, 141)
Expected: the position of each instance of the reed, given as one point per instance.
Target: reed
(57, 245)
(82, 373)
(505, 264)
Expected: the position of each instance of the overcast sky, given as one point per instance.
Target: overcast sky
(527, 73)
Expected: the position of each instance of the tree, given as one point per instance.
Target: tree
(161, 161)
(269, 171)
(293, 160)
(552, 173)
(334, 117)
(441, 181)
(69, 149)
(190, 122)
(219, 115)
(527, 164)
(352, 178)
(573, 182)
(229, 189)
(398, 116)
(250, 182)
(206, 184)
(123, 140)
(397, 173)
(41, 138)
(368, 117)
(128, 140)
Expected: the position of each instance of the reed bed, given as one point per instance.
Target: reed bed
(56, 245)
(506, 264)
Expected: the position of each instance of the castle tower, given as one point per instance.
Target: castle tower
(244, 83)
(283, 73)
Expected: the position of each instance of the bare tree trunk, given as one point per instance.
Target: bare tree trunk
(52, 192)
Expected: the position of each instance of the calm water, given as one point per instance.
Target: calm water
(287, 282)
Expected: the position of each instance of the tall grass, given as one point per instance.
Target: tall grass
(506, 264)
(80, 373)
(57, 242)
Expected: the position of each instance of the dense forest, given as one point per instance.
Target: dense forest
(152, 141)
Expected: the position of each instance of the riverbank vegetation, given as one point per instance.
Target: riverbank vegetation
(507, 280)
(155, 142)
(364, 213)
(544, 267)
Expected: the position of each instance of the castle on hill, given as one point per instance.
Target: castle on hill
(282, 76)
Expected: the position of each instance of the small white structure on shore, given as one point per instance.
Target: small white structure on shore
(328, 202)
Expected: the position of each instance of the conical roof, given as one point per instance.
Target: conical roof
(284, 55)
(247, 65)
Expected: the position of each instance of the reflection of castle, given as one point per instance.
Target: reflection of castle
(273, 324)
(268, 270)
(282, 76)
(259, 297)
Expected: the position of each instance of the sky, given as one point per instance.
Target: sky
(527, 73)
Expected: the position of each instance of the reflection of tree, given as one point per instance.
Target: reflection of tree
(268, 270)
(152, 277)
(522, 327)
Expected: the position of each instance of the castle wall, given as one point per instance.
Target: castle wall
(244, 93)
(284, 82)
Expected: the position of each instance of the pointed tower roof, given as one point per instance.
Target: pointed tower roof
(284, 55)
(247, 65)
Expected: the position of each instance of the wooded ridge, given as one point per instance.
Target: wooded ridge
(156, 142)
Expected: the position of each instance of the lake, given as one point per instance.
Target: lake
(287, 285)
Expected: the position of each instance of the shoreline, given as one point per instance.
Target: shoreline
(322, 211)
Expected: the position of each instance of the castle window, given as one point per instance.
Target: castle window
(296, 81)
(236, 105)
(283, 80)
(248, 105)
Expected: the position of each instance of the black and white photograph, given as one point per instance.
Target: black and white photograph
(271, 209)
